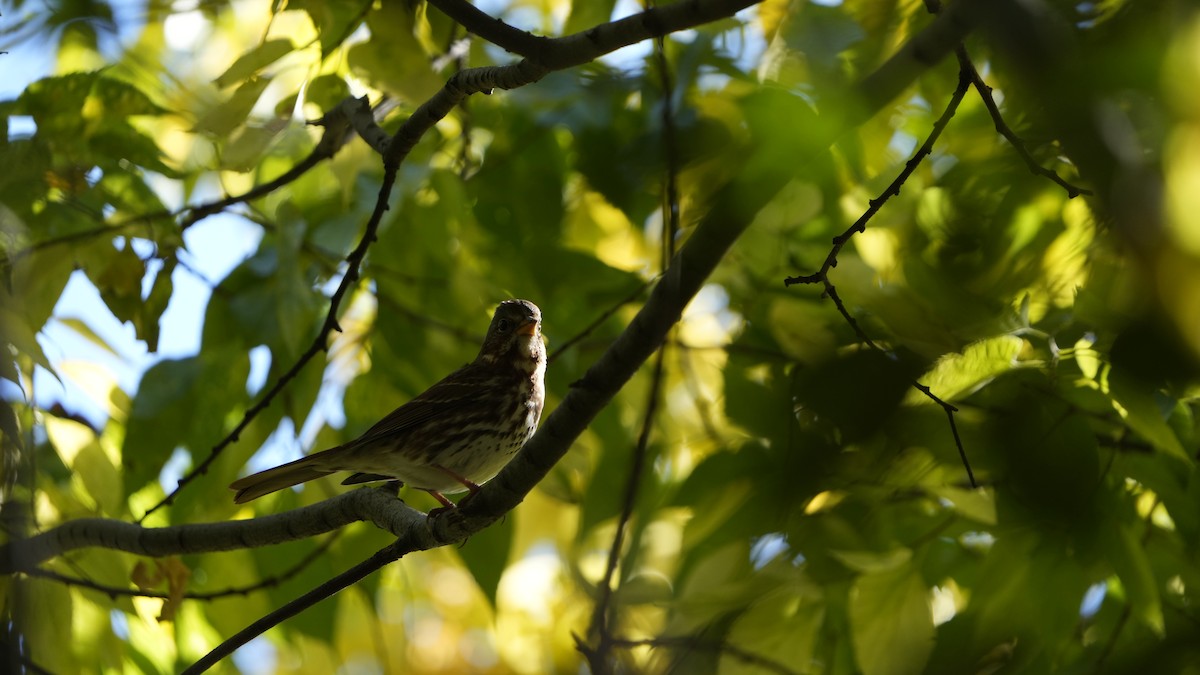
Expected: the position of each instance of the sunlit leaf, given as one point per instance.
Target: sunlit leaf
(251, 62)
(957, 375)
(224, 117)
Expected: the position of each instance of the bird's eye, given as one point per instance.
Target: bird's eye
(502, 325)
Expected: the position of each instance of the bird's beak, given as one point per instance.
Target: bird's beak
(528, 329)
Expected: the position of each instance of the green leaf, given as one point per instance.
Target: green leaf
(43, 611)
(891, 623)
(254, 60)
(857, 392)
(394, 59)
(1138, 406)
(37, 282)
(123, 99)
(783, 625)
(335, 19)
(327, 91)
(1126, 553)
(486, 555)
(150, 316)
(956, 376)
(181, 403)
(873, 562)
(120, 283)
(220, 120)
(978, 505)
(586, 14)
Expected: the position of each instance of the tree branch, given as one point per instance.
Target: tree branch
(115, 591)
(492, 29)
(376, 505)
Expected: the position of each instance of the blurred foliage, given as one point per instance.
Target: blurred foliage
(804, 504)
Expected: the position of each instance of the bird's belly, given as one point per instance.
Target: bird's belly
(475, 452)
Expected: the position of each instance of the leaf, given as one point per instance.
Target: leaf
(857, 392)
(254, 60)
(326, 91)
(956, 376)
(155, 304)
(1137, 406)
(335, 20)
(978, 505)
(220, 120)
(394, 59)
(120, 283)
(38, 281)
(1126, 553)
(16, 332)
(891, 623)
(170, 570)
(873, 562)
(586, 14)
(783, 625)
(486, 555)
(43, 611)
(181, 403)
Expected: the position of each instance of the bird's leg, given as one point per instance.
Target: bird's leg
(471, 487)
(446, 503)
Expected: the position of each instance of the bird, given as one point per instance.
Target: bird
(452, 437)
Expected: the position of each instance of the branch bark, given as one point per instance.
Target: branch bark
(376, 505)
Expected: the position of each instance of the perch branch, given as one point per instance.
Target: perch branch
(376, 505)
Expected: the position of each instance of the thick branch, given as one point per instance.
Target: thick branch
(586, 46)
(369, 504)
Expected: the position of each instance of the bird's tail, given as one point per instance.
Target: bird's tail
(283, 476)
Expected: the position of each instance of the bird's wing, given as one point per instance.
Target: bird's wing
(458, 389)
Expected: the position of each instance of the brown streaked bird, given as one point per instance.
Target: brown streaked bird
(455, 435)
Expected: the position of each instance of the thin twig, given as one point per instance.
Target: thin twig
(985, 93)
(670, 151)
(821, 276)
(115, 591)
(599, 320)
(601, 625)
(380, 558)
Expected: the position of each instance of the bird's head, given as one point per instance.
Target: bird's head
(515, 332)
